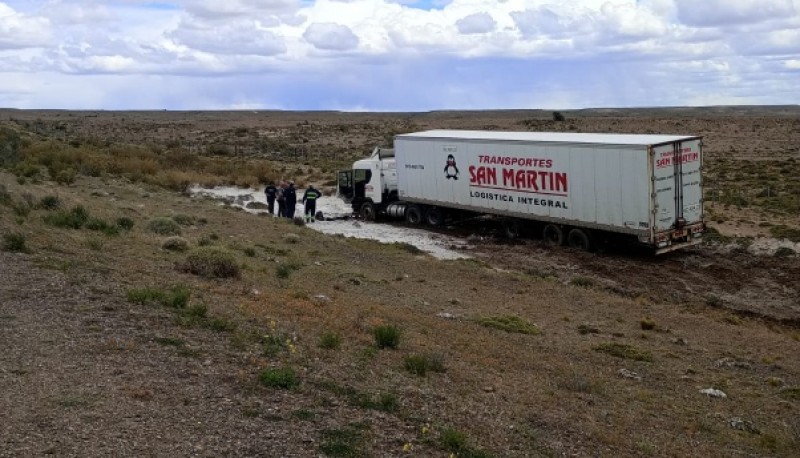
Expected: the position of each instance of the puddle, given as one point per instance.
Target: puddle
(251, 201)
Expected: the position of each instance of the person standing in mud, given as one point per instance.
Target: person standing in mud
(281, 198)
(310, 200)
(271, 192)
(290, 194)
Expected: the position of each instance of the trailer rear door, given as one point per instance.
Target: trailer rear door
(677, 185)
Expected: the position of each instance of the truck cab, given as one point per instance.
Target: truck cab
(371, 184)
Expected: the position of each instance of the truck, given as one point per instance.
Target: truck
(584, 190)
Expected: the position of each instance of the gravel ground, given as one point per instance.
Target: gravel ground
(83, 375)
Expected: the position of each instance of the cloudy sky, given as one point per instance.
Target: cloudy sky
(397, 55)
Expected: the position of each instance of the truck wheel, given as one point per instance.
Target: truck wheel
(413, 215)
(553, 235)
(578, 239)
(368, 212)
(512, 229)
(434, 217)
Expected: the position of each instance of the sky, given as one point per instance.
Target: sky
(397, 55)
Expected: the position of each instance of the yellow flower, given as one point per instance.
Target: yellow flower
(425, 430)
(407, 447)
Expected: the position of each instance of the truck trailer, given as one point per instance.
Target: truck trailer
(579, 189)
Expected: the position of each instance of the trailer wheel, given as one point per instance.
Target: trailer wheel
(512, 229)
(434, 216)
(413, 215)
(553, 235)
(579, 239)
(368, 212)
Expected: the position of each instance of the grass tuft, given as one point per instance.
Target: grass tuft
(175, 243)
(330, 341)
(50, 203)
(124, 223)
(211, 262)
(624, 351)
(509, 323)
(421, 364)
(345, 442)
(387, 336)
(75, 218)
(282, 377)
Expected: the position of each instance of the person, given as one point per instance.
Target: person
(290, 194)
(271, 191)
(281, 198)
(310, 200)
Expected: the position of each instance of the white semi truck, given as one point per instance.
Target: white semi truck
(572, 188)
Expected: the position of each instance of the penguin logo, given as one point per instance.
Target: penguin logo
(450, 170)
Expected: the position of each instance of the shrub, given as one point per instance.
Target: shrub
(387, 336)
(784, 232)
(5, 196)
(283, 271)
(184, 220)
(175, 243)
(97, 224)
(509, 323)
(558, 116)
(784, 252)
(284, 378)
(648, 324)
(330, 341)
(73, 219)
(221, 325)
(344, 442)
(65, 177)
(211, 261)
(15, 242)
(624, 351)
(250, 252)
(583, 282)
(164, 226)
(50, 203)
(125, 223)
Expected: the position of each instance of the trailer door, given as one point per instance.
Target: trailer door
(666, 177)
(677, 185)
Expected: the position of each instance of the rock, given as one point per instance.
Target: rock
(355, 281)
(730, 362)
(321, 299)
(488, 389)
(356, 224)
(714, 393)
(447, 315)
(299, 221)
(319, 216)
(256, 206)
(743, 425)
(317, 263)
(455, 301)
(255, 292)
(680, 341)
(625, 373)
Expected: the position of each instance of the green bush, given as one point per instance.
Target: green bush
(456, 443)
(509, 323)
(212, 262)
(97, 224)
(175, 243)
(184, 220)
(283, 377)
(283, 271)
(15, 242)
(164, 226)
(784, 252)
(785, 232)
(387, 336)
(65, 177)
(73, 219)
(125, 223)
(50, 203)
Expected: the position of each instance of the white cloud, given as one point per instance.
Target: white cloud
(580, 52)
(19, 31)
(333, 37)
(476, 23)
(236, 37)
(709, 13)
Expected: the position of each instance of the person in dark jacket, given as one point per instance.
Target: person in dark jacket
(290, 194)
(271, 191)
(281, 198)
(310, 200)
